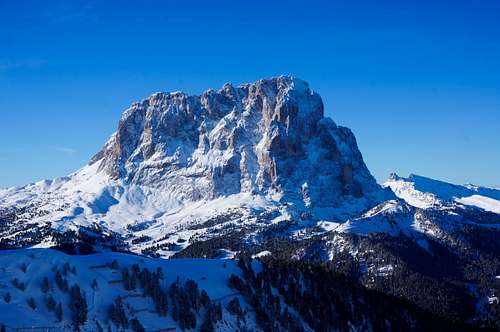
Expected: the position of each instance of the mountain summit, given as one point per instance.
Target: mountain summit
(268, 137)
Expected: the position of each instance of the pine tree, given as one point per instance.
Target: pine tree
(136, 270)
(45, 285)
(18, 284)
(61, 282)
(136, 325)
(78, 306)
(114, 264)
(66, 268)
(116, 313)
(31, 303)
(126, 279)
(59, 312)
(234, 307)
(159, 272)
(94, 284)
(51, 303)
(7, 297)
(98, 327)
(207, 326)
(218, 312)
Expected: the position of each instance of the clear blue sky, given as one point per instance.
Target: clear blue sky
(417, 81)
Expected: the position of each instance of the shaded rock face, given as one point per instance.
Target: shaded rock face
(269, 137)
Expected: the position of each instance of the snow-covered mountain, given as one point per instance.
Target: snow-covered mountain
(258, 171)
(264, 151)
(185, 169)
(424, 193)
(241, 163)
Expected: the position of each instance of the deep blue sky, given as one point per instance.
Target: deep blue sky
(417, 82)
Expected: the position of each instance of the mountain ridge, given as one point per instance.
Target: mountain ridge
(423, 192)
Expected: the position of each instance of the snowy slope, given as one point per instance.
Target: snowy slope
(210, 275)
(424, 193)
(483, 202)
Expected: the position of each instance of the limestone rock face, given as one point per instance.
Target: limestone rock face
(269, 137)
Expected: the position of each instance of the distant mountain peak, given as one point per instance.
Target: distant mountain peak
(393, 177)
(425, 192)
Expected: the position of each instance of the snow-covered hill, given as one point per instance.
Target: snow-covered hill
(100, 281)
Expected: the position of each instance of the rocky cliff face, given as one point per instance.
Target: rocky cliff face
(269, 137)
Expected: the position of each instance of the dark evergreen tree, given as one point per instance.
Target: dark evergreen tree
(218, 312)
(159, 272)
(136, 270)
(93, 284)
(98, 327)
(78, 306)
(18, 284)
(7, 297)
(45, 286)
(116, 313)
(61, 282)
(65, 269)
(207, 326)
(136, 325)
(128, 279)
(234, 307)
(59, 312)
(204, 299)
(150, 283)
(31, 303)
(114, 264)
(50, 303)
